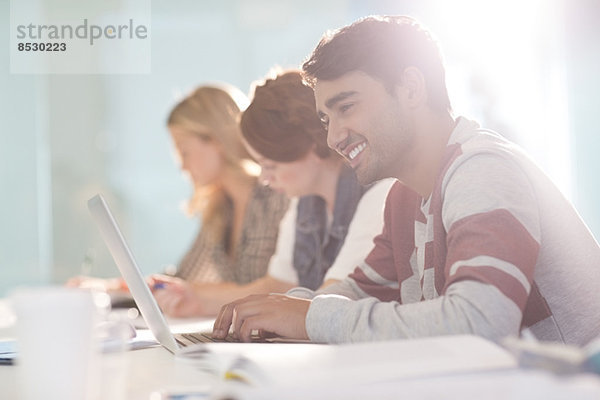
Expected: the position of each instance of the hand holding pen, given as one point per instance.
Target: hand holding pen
(175, 296)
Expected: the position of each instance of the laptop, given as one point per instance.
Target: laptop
(138, 287)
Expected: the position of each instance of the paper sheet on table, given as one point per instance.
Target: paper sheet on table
(292, 365)
(510, 384)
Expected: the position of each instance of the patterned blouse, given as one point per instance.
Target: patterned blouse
(207, 261)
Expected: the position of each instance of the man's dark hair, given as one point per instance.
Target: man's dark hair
(382, 47)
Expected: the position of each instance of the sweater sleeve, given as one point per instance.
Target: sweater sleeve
(490, 215)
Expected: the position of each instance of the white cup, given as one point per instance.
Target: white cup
(55, 341)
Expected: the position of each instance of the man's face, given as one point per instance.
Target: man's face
(366, 124)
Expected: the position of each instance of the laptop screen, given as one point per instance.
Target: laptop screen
(130, 271)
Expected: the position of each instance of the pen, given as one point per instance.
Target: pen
(181, 394)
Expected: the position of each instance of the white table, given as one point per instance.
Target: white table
(151, 370)
(148, 370)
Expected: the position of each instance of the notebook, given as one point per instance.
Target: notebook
(112, 236)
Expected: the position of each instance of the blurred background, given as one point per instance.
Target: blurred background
(529, 69)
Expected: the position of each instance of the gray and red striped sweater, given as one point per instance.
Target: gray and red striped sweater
(496, 248)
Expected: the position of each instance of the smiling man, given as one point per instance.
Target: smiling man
(476, 240)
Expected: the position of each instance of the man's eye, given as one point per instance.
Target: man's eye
(345, 107)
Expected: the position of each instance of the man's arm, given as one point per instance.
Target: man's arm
(336, 319)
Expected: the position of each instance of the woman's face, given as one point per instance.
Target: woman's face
(295, 178)
(200, 157)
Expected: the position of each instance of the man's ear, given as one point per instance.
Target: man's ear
(413, 82)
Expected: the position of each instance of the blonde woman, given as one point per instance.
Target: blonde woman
(239, 216)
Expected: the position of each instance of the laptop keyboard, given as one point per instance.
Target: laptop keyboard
(201, 337)
(204, 337)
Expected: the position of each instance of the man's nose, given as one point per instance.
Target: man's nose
(335, 135)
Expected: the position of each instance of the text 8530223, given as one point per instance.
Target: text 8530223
(35, 46)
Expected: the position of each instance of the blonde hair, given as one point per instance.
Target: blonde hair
(211, 113)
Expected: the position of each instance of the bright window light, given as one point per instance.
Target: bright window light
(505, 63)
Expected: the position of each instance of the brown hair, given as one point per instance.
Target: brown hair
(212, 113)
(281, 122)
(382, 47)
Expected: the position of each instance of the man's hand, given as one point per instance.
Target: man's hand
(175, 297)
(273, 313)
